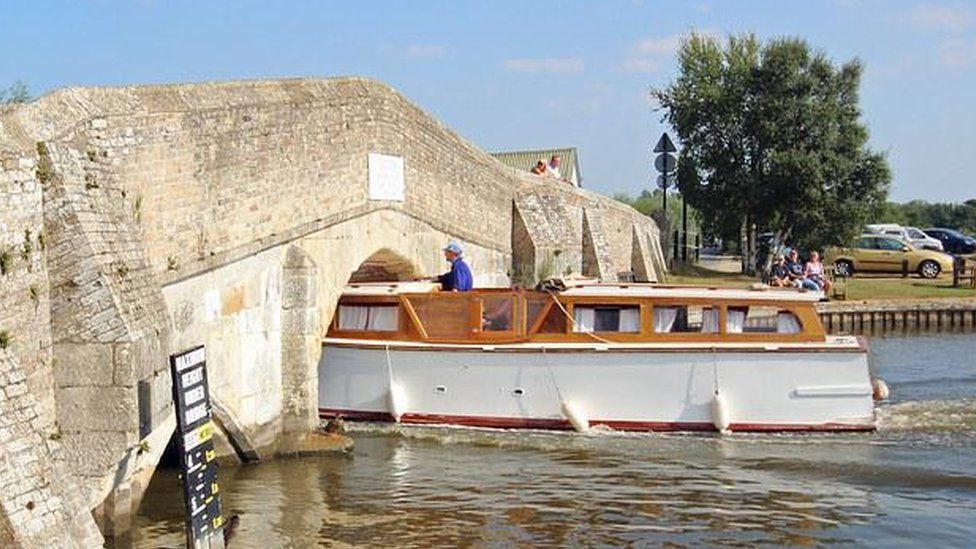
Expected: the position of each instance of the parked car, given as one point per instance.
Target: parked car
(953, 241)
(916, 236)
(885, 254)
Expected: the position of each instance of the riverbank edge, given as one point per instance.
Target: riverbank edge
(907, 304)
(882, 316)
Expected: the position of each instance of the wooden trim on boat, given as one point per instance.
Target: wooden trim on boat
(575, 347)
(550, 303)
(412, 315)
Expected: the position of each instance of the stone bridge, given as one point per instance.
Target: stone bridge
(136, 222)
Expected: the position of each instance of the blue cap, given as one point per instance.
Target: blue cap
(453, 247)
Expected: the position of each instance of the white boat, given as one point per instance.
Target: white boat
(634, 357)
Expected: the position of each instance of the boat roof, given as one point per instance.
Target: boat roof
(390, 288)
(696, 292)
(589, 289)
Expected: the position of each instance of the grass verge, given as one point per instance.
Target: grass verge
(861, 287)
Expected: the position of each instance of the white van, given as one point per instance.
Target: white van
(909, 234)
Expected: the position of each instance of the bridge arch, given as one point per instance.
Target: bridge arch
(384, 265)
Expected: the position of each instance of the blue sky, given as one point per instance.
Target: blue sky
(511, 75)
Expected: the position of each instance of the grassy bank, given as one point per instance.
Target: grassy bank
(860, 287)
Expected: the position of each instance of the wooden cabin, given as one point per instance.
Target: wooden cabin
(636, 314)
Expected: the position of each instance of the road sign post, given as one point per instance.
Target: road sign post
(665, 163)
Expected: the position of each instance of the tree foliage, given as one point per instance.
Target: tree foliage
(772, 140)
(648, 202)
(918, 213)
(15, 93)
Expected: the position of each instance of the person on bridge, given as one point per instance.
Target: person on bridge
(540, 168)
(553, 167)
(459, 278)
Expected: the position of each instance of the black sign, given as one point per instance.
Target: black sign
(197, 455)
(664, 144)
(665, 163)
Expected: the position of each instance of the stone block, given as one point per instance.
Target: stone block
(95, 454)
(299, 321)
(297, 292)
(138, 359)
(86, 409)
(83, 364)
(161, 391)
(233, 300)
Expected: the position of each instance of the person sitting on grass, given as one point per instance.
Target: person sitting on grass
(814, 273)
(779, 274)
(798, 273)
(795, 268)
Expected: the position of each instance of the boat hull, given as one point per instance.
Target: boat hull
(627, 389)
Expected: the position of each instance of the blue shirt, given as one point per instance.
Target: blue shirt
(459, 278)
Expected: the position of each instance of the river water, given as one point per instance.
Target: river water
(912, 483)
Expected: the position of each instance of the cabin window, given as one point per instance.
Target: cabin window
(373, 318)
(555, 322)
(685, 319)
(606, 318)
(760, 319)
(533, 308)
(496, 313)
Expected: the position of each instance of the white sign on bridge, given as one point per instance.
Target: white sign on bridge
(385, 177)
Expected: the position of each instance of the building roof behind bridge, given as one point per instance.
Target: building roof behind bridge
(525, 160)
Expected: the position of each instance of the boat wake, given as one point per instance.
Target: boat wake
(940, 418)
(929, 416)
(513, 438)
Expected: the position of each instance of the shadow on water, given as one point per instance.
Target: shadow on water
(914, 479)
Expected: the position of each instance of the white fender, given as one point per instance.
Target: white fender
(576, 416)
(398, 401)
(879, 389)
(720, 413)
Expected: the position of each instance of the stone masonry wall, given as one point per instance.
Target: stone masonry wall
(583, 233)
(202, 167)
(24, 303)
(38, 506)
(108, 319)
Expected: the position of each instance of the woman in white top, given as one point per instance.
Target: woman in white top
(815, 272)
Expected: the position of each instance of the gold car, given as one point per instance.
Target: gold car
(884, 254)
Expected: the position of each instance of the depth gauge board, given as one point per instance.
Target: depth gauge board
(197, 456)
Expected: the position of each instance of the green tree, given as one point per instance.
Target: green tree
(772, 140)
(16, 93)
(919, 213)
(648, 202)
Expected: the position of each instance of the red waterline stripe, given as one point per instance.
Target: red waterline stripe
(563, 425)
